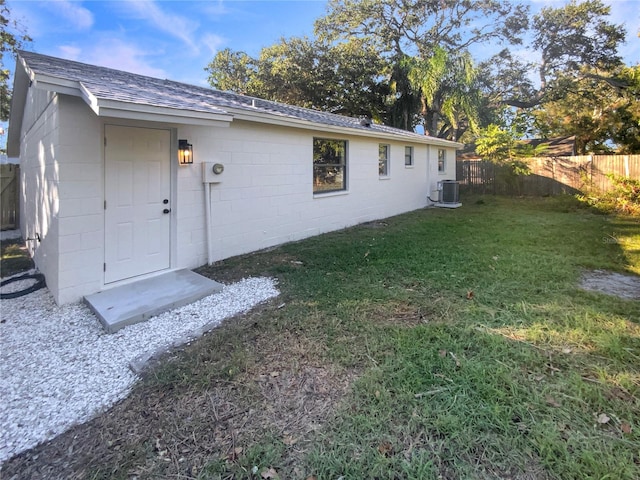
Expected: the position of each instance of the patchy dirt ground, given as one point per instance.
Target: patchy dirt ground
(623, 286)
(173, 428)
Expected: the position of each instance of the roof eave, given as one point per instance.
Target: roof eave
(138, 111)
(275, 119)
(129, 110)
(159, 114)
(21, 82)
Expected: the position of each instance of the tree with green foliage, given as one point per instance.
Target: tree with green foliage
(404, 102)
(418, 27)
(603, 117)
(232, 71)
(625, 128)
(426, 46)
(581, 87)
(568, 39)
(340, 78)
(504, 148)
(407, 63)
(404, 62)
(12, 37)
(449, 95)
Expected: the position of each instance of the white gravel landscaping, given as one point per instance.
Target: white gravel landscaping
(58, 367)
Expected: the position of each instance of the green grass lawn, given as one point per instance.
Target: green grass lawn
(480, 356)
(436, 344)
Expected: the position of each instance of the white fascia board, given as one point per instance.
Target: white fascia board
(185, 119)
(58, 85)
(162, 114)
(135, 111)
(89, 98)
(16, 115)
(272, 119)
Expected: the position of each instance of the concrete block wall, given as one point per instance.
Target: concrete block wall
(39, 202)
(81, 197)
(450, 164)
(265, 196)
(61, 168)
(450, 167)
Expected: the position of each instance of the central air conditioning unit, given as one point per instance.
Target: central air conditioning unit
(447, 194)
(450, 191)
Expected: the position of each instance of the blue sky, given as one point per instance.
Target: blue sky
(176, 39)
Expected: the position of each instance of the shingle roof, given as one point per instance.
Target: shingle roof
(115, 85)
(554, 147)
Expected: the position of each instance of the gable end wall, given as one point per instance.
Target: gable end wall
(81, 201)
(39, 181)
(61, 203)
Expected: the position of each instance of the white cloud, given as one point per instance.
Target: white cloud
(80, 17)
(45, 18)
(70, 52)
(215, 9)
(113, 53)
(182, 28)
(213, 42)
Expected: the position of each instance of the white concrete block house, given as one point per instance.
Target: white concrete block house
(107, 202)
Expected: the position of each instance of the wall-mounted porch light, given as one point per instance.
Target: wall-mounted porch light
(185, 152)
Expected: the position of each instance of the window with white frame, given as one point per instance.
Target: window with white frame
(408, 156)
(383, 160)
(442, 160)
(329, 165)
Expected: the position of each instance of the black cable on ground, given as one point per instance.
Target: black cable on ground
(39, 283)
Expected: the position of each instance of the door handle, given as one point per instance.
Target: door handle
(166, 210)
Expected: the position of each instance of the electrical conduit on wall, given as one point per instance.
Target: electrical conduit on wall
(207, 220)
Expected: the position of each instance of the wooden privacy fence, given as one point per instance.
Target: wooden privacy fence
(549, 175)
(9, 200)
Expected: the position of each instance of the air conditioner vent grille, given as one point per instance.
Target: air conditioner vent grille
(450, 191)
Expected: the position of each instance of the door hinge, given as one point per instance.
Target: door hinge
(105, 204)
(105, 141)
(104, 267)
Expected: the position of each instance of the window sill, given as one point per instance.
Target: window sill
(387, 177)
(409, 166)
(337, 193)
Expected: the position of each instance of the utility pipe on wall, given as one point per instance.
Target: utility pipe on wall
(207, 220)
(211, 174)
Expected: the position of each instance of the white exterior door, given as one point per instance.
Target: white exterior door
(137, 201)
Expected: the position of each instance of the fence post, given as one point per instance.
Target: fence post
(626, 166)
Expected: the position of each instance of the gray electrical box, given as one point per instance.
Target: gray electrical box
(212, 172)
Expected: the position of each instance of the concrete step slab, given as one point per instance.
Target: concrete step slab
(136, 302)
